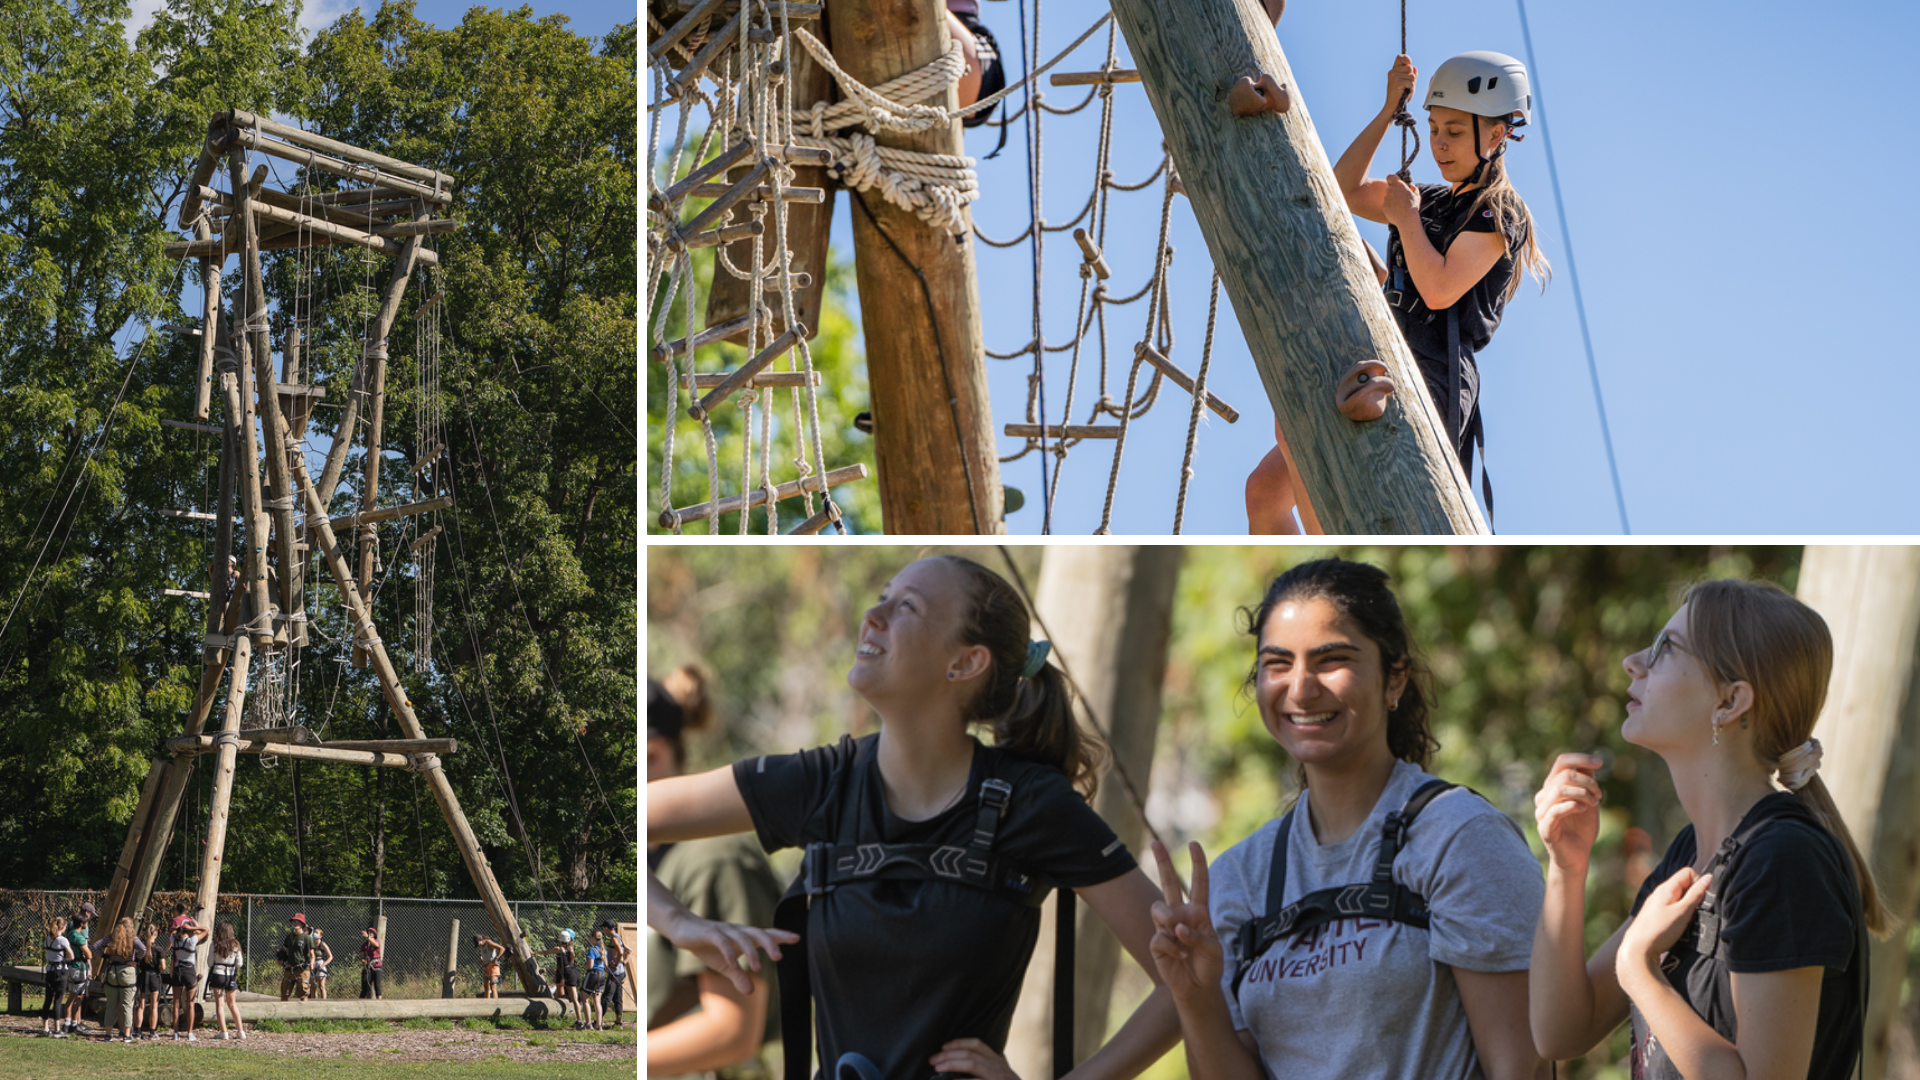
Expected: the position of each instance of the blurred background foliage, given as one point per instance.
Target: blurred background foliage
(1522, 645)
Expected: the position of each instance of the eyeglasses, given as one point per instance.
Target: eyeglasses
(1660, 646)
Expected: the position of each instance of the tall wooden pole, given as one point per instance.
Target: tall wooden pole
(1110, 613)
(360, 616)
(1294, 266)
(273, 424)
(212, 857)
(919, 305)
(130, 850)
(1870, 732)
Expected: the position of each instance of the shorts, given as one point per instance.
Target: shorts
(491, 972)
(151, 980)
(183, 975)
(217, 981)
(76, 980)
(319, 971)
(993, 73)
(596, 981)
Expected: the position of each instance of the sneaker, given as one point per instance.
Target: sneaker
(59, 1034)
(176, 1035)
(193, 1038)
(243, 1033)
(128, 1040)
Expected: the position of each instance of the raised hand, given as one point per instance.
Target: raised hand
(1401, 203)
(1400, 82)
(727, 947)
(1567, 810)
(971, 1057)
(1185, 948)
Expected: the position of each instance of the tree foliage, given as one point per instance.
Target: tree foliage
(534, 594)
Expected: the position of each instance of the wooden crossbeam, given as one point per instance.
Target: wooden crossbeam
(242, 120)
(1064, 431)
(388, 513)
(1184, 381)
(206, 744)
(758, 496)
(352, 170)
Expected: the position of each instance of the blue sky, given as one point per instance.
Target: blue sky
(1716, 160)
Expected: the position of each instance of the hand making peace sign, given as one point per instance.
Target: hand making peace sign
(1185, 947)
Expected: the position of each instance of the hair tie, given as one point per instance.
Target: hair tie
(1036, 658)
(1798, 765)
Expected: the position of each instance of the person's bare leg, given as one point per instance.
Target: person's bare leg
(1309, 521)
(969, 87)
(1270, 497)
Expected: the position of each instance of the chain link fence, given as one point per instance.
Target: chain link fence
(419, 934)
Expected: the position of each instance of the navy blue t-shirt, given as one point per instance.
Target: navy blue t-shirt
(899, 968)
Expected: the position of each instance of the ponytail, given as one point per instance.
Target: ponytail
(1515, 222)
(1031, 717)
(1758, 633)
(1880, 920)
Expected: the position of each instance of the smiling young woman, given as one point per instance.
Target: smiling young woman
(1283, 949)
(913, 959)
(1745, 953)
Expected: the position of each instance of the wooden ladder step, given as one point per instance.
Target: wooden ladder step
(1064, 431)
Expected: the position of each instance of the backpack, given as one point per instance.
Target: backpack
(827, 866)
(1379, 898)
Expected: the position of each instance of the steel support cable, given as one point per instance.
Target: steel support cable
(1573, 273)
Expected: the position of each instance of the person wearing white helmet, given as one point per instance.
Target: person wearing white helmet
(1455, 250)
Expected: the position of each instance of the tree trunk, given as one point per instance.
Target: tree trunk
(919, 305)
(1293, 264)
(1870, 731)
(1110, 610)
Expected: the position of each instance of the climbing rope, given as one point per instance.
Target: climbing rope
(1404, 118)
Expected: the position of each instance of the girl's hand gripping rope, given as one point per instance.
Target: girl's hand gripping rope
(1567, 810)
(1402, 205)
(1400, 84)
(1185, 947)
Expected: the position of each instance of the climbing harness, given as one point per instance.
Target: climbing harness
(1709, 976)
(1380, 898)
(848, 861)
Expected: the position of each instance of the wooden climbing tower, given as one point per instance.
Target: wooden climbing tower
(258, 611)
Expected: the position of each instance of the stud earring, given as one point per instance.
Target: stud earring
(949, 674)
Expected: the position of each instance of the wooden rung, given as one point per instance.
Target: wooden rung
(706, 172)
(726, 234)
(661, 353)
(280, 733)
(764, 194)
(728, 196)
(194, 515)
(801, 155)
(184, 331)
(189, 593)
(741, 375)
(758, 497)
(425, 539)
(204, 429)
(372, 517)
(300, 389)
(1064, 431)
(397, 746)
(696, 10)
(1184, 381)
(773, 379)
(828, 514)
(1092, 252)
(1094, 78)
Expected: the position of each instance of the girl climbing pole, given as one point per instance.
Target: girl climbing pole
(1745, 953)
(1455, 252)
(927, 851)
(1276, 970)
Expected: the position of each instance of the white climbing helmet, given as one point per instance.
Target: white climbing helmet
(1486, 84)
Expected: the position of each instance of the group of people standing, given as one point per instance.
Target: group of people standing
(135, 970)
(591, 979)
(1387, 924)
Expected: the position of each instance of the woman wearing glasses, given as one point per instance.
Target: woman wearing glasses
(1744, 953)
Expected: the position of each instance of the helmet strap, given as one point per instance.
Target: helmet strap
(1483, 160)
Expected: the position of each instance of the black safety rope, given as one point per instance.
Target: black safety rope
(1401, 116)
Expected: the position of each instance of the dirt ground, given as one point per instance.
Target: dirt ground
(398, 1044)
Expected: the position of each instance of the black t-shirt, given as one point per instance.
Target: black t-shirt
(899, 968)
(1786, 901)
(1445, 216)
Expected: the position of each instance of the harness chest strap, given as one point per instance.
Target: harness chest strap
(1379, 898)
(826, 867)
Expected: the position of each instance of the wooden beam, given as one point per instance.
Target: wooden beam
(1094, 78)
(314, 160)
(346, 151)
(130, 849)
(360, 617)
(159, 833)
(194, 745)
(210, 316)
(919, 305)
(341, 233)
(397, 746)
(1296, 271)
(1064, 431)
(1182, 380)
(204, 429)
(388, 513)
(214, 845)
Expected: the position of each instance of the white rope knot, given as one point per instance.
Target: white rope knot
(1798, 765)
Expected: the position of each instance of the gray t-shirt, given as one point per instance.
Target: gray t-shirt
(1364, 997)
